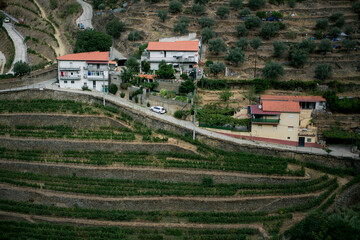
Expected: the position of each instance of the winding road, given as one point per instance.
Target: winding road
(86, 16)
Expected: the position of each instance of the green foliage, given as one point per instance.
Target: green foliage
(236, 4)
(127, 75)
(92, 40)
(21, 68)
(349, 30)
(175, 6)
(292, 3)
(245, 12)
(261, 14)
(141, 49)
(252, 21)
(279, 48)
(135, 36)
(97, 4)
(242, 43)
(202, 2)
(217, 68)
(145, 66)
(325, 45)
(345, 105)
(208, 63)
(181, 25)
(114, 28)
(53, 4)
(323, 71)
(276, 14)
(272, 70)
(256, 4)
(207, 34)
(165, 71)
(179, 114)
(72, 8)
(241, 30)
(113, 88)
(225, 95)
(255, 43)
(187, 87)
(216, 46)
(198, 9)
(206, 22)
(334, 32)
(223, 12)
(163, 14)
(340, 22)
(208, 182)
(322, 24)
(356, 7)
(348, 44)
(269, 30)
(298, 56)
(133, 65)
(122, 94)
(335, 16)
(308, 44)
(236, 56)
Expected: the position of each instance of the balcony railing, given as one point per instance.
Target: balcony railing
(172, 59)
(93, 77)
(71, 77)
(272, 121)
(69, 68)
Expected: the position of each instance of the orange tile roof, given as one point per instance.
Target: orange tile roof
(293, 98)
(113, 62)
(280, 106)
(186, 46)
(86, 56)
(146, 76)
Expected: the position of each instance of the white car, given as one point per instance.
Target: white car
(6, 20)
(158, 109)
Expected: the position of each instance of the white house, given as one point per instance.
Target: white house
(89, 69)
(183, 55)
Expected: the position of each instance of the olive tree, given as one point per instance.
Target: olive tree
(236, 56)
(273, 70)
(323, 71)
(217, 45)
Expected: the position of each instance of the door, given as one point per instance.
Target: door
(301, 141)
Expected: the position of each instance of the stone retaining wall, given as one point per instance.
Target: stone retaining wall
(349, 197)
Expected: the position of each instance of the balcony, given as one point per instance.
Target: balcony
(265, 121)
(172, 59)
(71, 77)
(69, 68)
(98, 78)
(95, 68)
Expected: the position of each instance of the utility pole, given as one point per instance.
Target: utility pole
(255, 69)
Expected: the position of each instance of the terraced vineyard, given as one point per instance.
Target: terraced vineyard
(117, 179)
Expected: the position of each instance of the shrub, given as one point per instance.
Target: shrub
(252, 21)
(272, 70)
(135, 36)
(261, 85)
(182, 25)
(276, 14)
(165, 71)
(334, 32)
(261, 14)
(335, 16)
(203, 2)
(340, 22)
(133, 65)
(241, 30)
(21, 68)
(113, 88)
(122, 94)
(222, 12)
(53, 4)
(235, 56)
(256, 4)
(175, 6)
(245, 12)
(236, 4)
(163, 14)
(269, 30)
(205, 22)
(97, 4)
(349, 30)
(255, 43)
(187, 87)
(323, 71)
(242, 43)
(179, 114)
(217, 68)
(292, 3)
(322, 24)
(297, 56)
(349, 44)
(208, 182)
(356, 7)
(225, 95)
(198, 9)
(92, 40)
(207, 34)
(279, 48)
(114, 28)
(308, 44)
(217, 45)
(325, 45)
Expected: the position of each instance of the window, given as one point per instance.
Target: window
(164, 53)
(290, 128)
(72, 82)
(308, 140)
(291, 115)
(65, 81)
(190, 66)
(259, 126)
(71, 73)
(274, 128)
(288, 137)
(94, 84)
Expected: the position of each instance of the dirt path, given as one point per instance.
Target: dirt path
(87, 222)
(61, 49)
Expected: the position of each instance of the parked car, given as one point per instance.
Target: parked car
(158, 109)
(81, 26)
(6, 20)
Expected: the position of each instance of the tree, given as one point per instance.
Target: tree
(308, 44)
(198, 9)
(349, 44)
(207, 34)
(242, 43)
(126, 76)
(356, 7)
(187, 87)
(252, 21)
(217, 46)
(133, 65)
(340, 22)
(181, 26)
(163, 14)
(225, 95)
(236, 56)
(273, 70)
(236, 4)
(250, 94)
(97, 3)
(334, 32)
(114, 28)
(217, 68)
(279, 48)
(175, 6)
(165, 71)
(325, 45)
(349, 30)
(256, 4)
(222, 12)
(145, 66)
(335, 16)
(241, 30)
(269, 30)
(21, 68)
(135, 36)
(113, 88)
(202, 2)
(297, 56)
(205, 22)
(53, 4)
(322, 24)
(92, 40)
(255, 43)
(245, 12)
(292, 3)
(323, 71)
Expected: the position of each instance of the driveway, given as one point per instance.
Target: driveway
(2, 62)
(20, 46)
(87, 14)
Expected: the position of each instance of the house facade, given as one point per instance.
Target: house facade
(183, 55)
(90, 69)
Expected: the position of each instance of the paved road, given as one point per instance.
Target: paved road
(2, 62)
(86, 16)
(20, 46)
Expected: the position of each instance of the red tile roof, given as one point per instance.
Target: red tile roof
(280, 106)
(256, 110)
(87, 56)
(293, 98)
(147, 76)
(186, 46)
